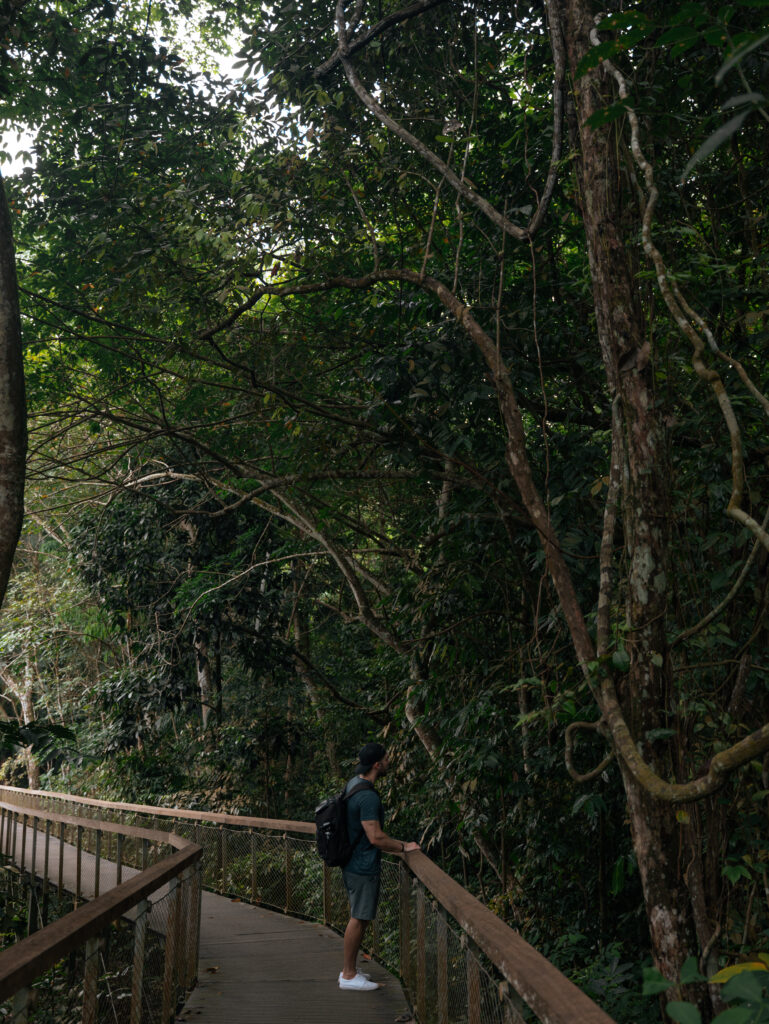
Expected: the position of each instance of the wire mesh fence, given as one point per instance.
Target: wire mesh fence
(129, 965)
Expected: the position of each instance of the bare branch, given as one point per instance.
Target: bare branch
(396, 18)
(569, 742)
(715, 612)
(344, 49)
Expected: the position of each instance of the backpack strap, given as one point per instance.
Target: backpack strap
(363, 784)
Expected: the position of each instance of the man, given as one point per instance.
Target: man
(365, 818)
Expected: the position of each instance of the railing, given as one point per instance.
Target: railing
(128, 951)
(459, 963)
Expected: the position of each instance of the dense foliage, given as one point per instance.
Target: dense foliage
(325, 449)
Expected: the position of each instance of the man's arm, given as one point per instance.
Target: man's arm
(377, 837)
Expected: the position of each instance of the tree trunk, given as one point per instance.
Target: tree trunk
(13, 417)
(302, 640)
(203, 674)
(644, 693)
(26, 696)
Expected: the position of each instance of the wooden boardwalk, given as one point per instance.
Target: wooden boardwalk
(259, 967)
(255, 966)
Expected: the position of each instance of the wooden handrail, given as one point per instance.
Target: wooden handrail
(540, 984)
(153, 835)
(32, 956)
(272, 824)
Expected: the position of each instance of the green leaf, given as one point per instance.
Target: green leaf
(620, 660)
(654, 982)
(683, 1013)
(739, 53)
(743, 99)
(711, 144)
(660, 734)
(608, 48)
(618, 877)
(680, 35)
(734, 1015)
(748, 985)
(734, 872)
(690, 972)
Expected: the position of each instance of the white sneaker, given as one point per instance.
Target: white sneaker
(360, 983)
(358, 971)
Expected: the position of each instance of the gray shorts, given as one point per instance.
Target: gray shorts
(363, 891)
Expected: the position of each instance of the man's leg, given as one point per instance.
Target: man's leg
(353, 938)
(363, 891)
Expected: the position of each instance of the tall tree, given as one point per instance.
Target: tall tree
(13, 413)
(408, 299)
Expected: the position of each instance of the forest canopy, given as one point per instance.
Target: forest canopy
(398, 371)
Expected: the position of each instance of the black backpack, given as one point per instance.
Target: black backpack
(334, 844)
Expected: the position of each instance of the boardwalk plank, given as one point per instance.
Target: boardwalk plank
(259, 967)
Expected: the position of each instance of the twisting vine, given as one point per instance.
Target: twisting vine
(691, 323)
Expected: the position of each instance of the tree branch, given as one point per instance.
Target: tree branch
(362, 40)
(569, 742)
(722, 763)
(686, 318)
(344, 48)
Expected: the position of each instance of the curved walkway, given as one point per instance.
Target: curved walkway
(255, 966)
(260, 967)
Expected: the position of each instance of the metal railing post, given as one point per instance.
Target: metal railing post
(97, 866)
(253, 865)
(20, 1006)
(287, 863)
(60, 885)
(119, 859)
(137, 976)
(180, 956)
(421, 964)
(23, 842)
(33, 856)
(199, 889)
(222, 861)
(169, 993)
(31, 907)
(90, 978)
(442, 965)
(473, 982)
(193, 923)
(79, 870)
(404, 920)
(46, 868)
(326, 893)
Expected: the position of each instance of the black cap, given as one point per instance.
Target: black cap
(368, 757)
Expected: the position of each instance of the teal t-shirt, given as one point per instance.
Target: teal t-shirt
(365, 805)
